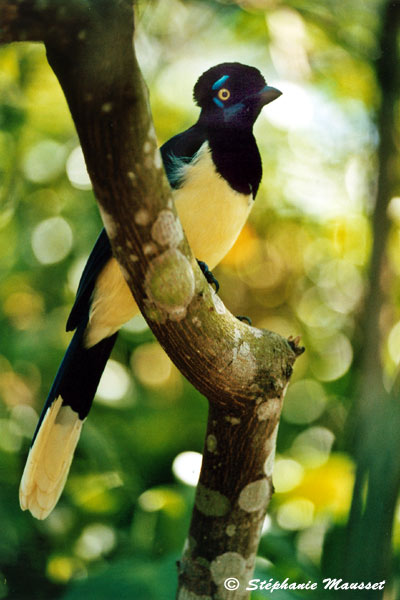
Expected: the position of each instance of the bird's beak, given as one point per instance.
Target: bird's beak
(268, 94)
(254, 102)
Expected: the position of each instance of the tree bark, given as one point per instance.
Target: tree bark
(388, 82)
(376, 415)
(243, 371)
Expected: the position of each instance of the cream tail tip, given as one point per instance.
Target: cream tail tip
(49, 460)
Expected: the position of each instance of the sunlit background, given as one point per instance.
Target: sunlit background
(299, 268)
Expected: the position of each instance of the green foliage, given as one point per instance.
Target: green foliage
(128, 579)
(299, 267)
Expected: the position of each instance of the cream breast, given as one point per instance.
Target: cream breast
(212, 215)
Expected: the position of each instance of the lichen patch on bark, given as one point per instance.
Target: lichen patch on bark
(109, 222)
(269, 463)
(211, 502)
(167, 230)
(229, 564)
(231, 530)
(170, 283)
(268, 409)
(232, 420)
(255, 495)
(270, 444)
(149, 248)
(218, 304)
(142, 217)
(211, 443)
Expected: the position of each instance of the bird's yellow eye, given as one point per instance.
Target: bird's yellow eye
(224, 94)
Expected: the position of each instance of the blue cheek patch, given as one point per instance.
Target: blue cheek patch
(232, 111)
(220, 82)
(218, 102)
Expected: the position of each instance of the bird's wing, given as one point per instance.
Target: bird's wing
(180, 150)
(99, 256)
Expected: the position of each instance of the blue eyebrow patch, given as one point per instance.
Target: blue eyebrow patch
(220, 82)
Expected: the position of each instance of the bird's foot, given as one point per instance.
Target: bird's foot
(208, 274)
(244, 319)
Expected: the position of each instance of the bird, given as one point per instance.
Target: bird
(214, 169)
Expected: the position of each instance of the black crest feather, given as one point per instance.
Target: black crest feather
(240, 76)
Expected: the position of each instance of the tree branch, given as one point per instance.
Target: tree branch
(375, 412)
(243, 371)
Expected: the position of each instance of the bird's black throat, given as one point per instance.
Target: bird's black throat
(234, 152)
(236, 158)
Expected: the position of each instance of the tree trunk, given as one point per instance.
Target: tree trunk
(375, 419)
(243, 371)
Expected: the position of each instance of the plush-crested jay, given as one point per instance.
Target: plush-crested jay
(214, 169)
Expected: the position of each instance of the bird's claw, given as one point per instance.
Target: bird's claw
(208, 275)
(243, 319)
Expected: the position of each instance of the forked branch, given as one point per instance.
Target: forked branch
(243, 371)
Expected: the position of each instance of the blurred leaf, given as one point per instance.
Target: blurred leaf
(125, 580)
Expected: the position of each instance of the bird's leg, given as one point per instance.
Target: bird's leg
(208, 274)
(213, 281)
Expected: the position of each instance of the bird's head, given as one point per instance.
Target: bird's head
(232, 94)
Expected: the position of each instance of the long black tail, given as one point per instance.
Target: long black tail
(58, 430)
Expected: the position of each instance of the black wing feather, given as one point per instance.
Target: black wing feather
(99, 257)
